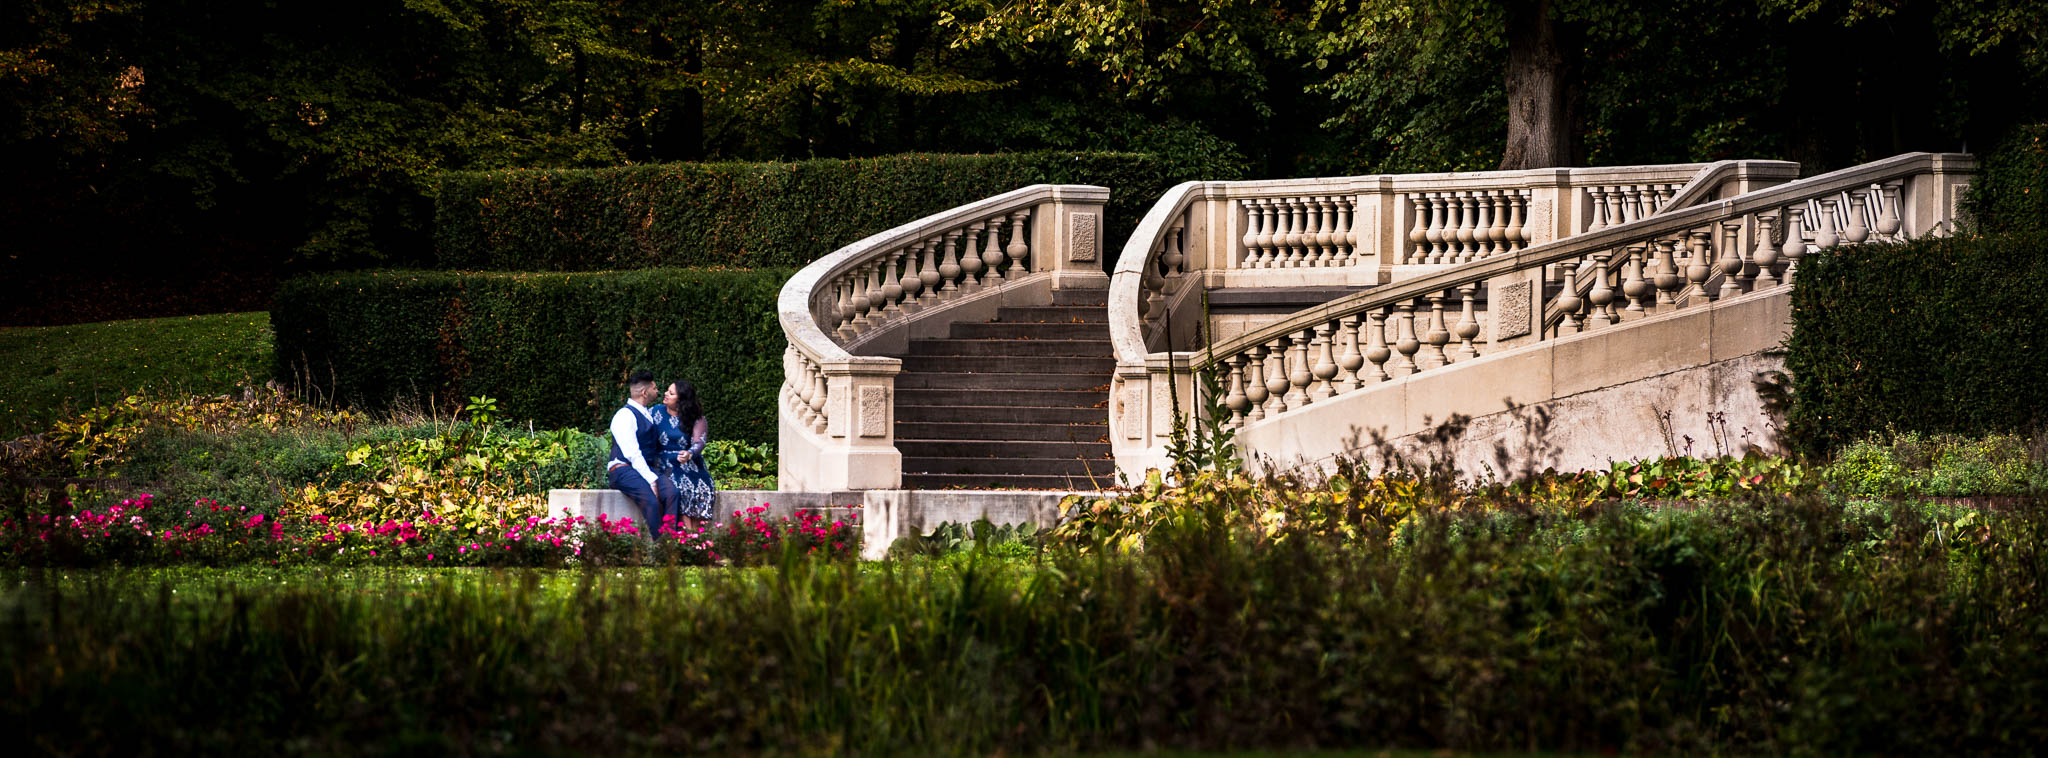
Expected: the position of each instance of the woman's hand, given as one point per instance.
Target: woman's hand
(683, 457)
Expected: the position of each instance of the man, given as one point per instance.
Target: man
(636, 451)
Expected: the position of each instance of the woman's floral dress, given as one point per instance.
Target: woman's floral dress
(698, 493)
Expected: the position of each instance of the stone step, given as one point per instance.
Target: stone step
(1101, 366)
(1015, 348)
(1002, 414)
(1009, 465)
(1010, 398)
(1004, 482)
(1056, 314)
(1081, 297)
(997, 448)
(919, 380)
(1097, 431)
(1004, 330)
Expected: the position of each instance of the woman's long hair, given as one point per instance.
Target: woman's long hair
(688, 410)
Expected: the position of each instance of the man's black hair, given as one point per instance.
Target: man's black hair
(639, 379)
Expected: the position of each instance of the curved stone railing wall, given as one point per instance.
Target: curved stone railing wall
(1693, 251)
(845, 312)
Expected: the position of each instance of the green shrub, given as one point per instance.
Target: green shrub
(1937, 335)
(2010, 193)
(1908, 463)
(553, 349)
(747, 214)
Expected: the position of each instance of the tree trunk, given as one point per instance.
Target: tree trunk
(1542, 79)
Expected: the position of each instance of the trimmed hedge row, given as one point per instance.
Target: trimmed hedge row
(745, 215)
(552, 348)
(1934, 335)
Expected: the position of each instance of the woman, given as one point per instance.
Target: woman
(684, 430)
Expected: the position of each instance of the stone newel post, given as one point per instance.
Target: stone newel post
(1067, 237)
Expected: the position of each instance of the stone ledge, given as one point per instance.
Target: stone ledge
(885, 515)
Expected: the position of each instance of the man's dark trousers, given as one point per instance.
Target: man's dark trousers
(655, 501)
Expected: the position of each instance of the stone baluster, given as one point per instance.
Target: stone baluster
(1235, 399)
(1255, 392)
(1859, 228)
(1827, 236)
(1633, 285)
(1667, 280)
(1326, 364)
(971, 264)
(1298, 374)
(1766, 252)
(1418, 240)
(1596, 200)
(1253, 221)
(871, 277)
(1664, 194)
(1438, 335)
(1518, 231)
(911, 283)
(1018, 250)
(1888, 222)
(992, 255)
(1276, 233)
(1697, 268)
(1601, 297)
(1631, 204)
(1463, 251)
(1615, 215)
(1498, 235)
(1352, 359)
(1346, 232)
(842, 309)
(1326, 231)
(1174, 259)
(927, 254)
(1291, 241)
(950, 271)
(1468, 322)
(1276, 376)
(1153, 300)
(892, 286)
(1376, 351)
(1435, 235)
(1482, 230)
(1795, 240)
(1405, 342)
(1568, 301)
(1731, 259)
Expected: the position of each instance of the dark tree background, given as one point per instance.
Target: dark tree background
(177, 156)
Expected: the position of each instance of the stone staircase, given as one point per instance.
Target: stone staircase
(1017, 402)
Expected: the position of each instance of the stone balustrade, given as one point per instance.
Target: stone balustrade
(845, 314)
(1645, 248)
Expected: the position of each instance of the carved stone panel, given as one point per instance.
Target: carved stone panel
(1513, 314)
(1540, 226)
(874, 411)
(1081, 239)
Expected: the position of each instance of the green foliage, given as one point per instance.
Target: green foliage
(56, 371)
(1210, 442)
(1778, 627)
(553, 349)
(745, 214)
(731, 459)
(1932, 336)
(2010, 192)
(1908, 464)
(981, 537)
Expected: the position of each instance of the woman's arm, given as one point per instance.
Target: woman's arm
(699, 434)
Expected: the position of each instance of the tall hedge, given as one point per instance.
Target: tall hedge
(746, 214)
(1936, 335)
(2010, 194)
(554, 348)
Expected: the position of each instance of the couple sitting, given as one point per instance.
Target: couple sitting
(658, 454)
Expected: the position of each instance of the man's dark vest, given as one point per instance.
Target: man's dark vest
(649, 437)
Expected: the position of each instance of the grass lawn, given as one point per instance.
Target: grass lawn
(51, 370)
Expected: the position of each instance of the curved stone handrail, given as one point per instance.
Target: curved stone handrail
(1294, 363)
(836, 411)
